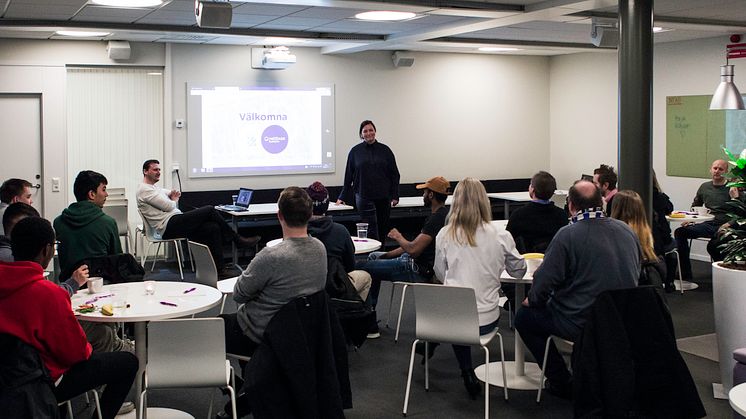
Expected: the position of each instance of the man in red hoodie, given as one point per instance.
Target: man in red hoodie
(38, 312)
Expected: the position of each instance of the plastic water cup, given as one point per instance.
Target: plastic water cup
(95, 284)
(362, 230)
(149, 287)
(119, 297)
(234, 198)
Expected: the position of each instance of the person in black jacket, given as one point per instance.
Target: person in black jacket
(372, 175)
(662, 241)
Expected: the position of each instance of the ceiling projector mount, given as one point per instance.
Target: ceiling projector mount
(276, 58)
(213, 13)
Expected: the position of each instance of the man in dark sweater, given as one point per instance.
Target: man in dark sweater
(591, 255)
(712, 194)
(336, 239)
(534, 225)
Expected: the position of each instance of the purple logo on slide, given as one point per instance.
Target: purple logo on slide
(274, 139)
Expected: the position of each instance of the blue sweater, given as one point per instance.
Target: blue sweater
(371, 172)
(583, 260)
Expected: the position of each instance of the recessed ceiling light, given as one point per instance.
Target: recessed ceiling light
(83, 34)
(282, 41)
(498, 49)
(128, 3)
(385, 15)
(155, 73)
(657, 29)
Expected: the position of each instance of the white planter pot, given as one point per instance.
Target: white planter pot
(729, 297)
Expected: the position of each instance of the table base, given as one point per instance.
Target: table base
(529, 381)
(686, 285)
(718, 391)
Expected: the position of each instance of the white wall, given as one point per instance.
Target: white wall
(583, 103)
(30, 66)
(454, 115)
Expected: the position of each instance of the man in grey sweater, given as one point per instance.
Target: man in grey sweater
(277, 275)
(591, 255)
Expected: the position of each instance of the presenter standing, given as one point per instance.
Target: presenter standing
(371, 174)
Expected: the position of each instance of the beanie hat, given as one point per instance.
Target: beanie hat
(320, 197)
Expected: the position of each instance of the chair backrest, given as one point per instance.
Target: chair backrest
(186, 353)
(206, 272)
(446, 314)
(116, 193)
(150, 232)
(118, 211)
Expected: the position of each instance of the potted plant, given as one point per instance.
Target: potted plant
(729, 277)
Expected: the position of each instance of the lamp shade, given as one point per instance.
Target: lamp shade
(727, 95)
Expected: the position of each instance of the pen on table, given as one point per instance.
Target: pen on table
(166, 303)
(189, 290)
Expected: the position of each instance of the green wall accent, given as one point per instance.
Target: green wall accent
(695, 135)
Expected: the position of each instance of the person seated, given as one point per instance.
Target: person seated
(413, 260)
(12, 191)
(336, 239)
(15, 213)
(277, 275)
(471, 252)
(712, 194)
(38, 313)
(590, 255)
(605, 179)
(203, 225)
(663, 243)
(534, 225)
(628, 207)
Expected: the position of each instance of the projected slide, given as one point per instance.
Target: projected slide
(260, 130)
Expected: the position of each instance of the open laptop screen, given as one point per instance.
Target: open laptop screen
(244, 197)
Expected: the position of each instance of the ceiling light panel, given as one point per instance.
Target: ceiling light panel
(128, 3)
(385, 16)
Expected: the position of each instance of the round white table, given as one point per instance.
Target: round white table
(362, 246)
(737, 398)
(144, 308)
(694, 219)
(521, 375)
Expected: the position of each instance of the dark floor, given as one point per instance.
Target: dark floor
(378, 370)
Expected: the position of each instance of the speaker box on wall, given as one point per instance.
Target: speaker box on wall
(213, 14)
(119, 50)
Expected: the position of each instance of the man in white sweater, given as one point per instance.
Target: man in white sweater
(203, 225)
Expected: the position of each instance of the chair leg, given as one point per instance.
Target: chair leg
(543, 367)
(69, 406)
(401, 308)
(502, 361)
(409, 377)
(232, 391)
(487, 382)
(98, 403)
(145, 255)
(427, 367)
(177, 245)
(391, 302)
(143, 400)
(222, 304)
(155, 258)
(678, 266)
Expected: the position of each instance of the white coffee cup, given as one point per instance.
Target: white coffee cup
(532, 265)
(701, 210)
(95, 284)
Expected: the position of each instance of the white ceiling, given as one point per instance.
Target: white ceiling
(547, 27)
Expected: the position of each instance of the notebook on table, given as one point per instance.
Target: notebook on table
(242, 201)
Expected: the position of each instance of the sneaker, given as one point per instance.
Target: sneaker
(373, 332)
(126, 408)
(247, 242)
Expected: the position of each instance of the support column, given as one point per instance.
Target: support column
(636, 98)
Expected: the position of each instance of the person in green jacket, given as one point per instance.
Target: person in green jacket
(83, 229)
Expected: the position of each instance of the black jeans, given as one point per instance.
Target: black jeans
(236, 342)
(202, 225)
(535, 325)
(463, 353)
(116, 370)
(375, 212)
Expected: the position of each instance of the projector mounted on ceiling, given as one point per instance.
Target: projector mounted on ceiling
(277, 58)
(213, 13)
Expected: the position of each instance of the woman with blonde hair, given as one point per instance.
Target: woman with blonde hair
(471, 252)
(628, 207)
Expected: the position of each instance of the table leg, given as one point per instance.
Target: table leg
(519, 356)
(141, 349)
(234, 249)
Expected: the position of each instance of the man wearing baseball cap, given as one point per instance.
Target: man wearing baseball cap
(413, 260)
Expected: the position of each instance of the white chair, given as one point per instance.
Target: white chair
(207, 273)
(69, 406)
(565, 349)
(674, 251)
(404, 286)
(187, 353)
(449, 315)
(152, 237)
(117, 210)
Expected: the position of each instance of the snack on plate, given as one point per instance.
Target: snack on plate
(107, 310)
(85, 308)
(677, 215)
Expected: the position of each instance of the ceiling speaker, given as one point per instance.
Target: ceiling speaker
(213, 14)
(402, 60)
(119, 50)
(604, 34)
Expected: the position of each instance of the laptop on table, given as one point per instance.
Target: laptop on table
(242, 201)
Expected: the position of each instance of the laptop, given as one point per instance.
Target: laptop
(242, 201)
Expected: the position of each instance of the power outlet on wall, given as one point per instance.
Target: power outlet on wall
(175, 166)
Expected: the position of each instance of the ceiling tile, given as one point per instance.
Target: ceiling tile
(332, 13)
(40, 11)
(266, 9)
(250, 20)
(25, 34)
(169, 18)
(110, 14)
(301, 21)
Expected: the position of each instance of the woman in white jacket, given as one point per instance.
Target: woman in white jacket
(471, 252)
